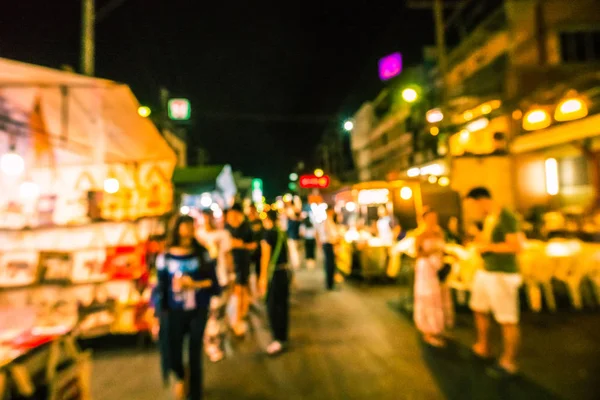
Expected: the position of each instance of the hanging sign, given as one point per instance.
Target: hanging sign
(314, 182)
(179, 109)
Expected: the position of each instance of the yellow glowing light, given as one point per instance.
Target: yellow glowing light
(433, 116)
(413, 172)
(434, 130)
(486, 109)
(444, 181)
(495, 104)
(465, 135)
(263, 215)
(319, 172)
(409, 95)
(570, 109)
(551, 176)
(406, 193)
(536, 119)
(144, 111)
(287, 198)
(111, 185)
(478, 124)
(517, 114)
(432, 179)
(350, 206)
(267, 207)
(468, 115)
(274, 206)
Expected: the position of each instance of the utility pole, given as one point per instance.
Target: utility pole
(440, 36)
(87, 37)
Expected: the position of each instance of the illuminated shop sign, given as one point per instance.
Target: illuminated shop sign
(314, 182)
(373, 196)
(390, 66)
(179, 109)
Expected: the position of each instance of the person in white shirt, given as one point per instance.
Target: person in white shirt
(328, 236)
(218, 243)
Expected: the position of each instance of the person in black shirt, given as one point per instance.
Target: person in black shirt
(275, 281)
(242, 245)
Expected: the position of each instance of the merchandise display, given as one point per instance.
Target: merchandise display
(76, 219)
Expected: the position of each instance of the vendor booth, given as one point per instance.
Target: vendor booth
(85, 183)
(375, 213)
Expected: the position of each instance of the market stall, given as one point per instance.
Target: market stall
(372, 210)
(85, 183)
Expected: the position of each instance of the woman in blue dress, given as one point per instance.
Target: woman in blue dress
(187, 280)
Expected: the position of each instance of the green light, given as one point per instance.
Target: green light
(292, 186)
(293, 177)
(257, 184)
(179, 109)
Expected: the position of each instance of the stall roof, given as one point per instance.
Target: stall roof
(89, 119)
(197, 175)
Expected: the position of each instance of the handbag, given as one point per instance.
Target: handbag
(443, 272)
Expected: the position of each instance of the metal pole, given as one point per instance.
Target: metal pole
(87, 37)
(440, 35)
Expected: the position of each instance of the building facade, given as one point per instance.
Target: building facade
(520, 111)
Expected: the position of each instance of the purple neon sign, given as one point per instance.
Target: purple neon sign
(390, 66)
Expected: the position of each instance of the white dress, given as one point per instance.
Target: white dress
(433, 311)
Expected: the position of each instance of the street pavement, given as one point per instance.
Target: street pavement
(352, 343)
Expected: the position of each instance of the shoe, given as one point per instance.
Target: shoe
(499, 372)
(274, 348)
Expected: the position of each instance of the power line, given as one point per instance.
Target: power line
(304, 119)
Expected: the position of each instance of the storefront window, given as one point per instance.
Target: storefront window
(573, 172)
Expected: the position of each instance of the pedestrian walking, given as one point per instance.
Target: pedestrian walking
(242, 245)
(218, 242)
(328, 236)
(495, 289)
(187, 280)
(309, 232)
(275, 281)
(433, 311)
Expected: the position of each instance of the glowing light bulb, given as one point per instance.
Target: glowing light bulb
(29, 190)
(12, 164)
(406, 193)
(350, 206)
(111, 185)
(185, 210)
(409, 95)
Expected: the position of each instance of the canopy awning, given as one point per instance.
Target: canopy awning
(86, 120)
(557, 135)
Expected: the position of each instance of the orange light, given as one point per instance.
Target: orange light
(486, 109)
(536, 119)
(468, 115)
(517, 114)
(570, 109)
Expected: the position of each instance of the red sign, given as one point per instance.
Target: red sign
(314, 182)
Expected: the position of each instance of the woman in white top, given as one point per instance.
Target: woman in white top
(218, 243)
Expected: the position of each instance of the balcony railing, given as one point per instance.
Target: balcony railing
(495, 22)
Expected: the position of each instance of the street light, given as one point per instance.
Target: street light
(348, 125)
(293, 177)
(144, 111)
(319, 172)
(409, 95)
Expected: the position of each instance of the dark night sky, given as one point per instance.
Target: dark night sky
(232, 57)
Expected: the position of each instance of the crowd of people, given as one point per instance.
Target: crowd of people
(214, 270)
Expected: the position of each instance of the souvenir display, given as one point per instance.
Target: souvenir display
(18, 268)
(80, 194)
